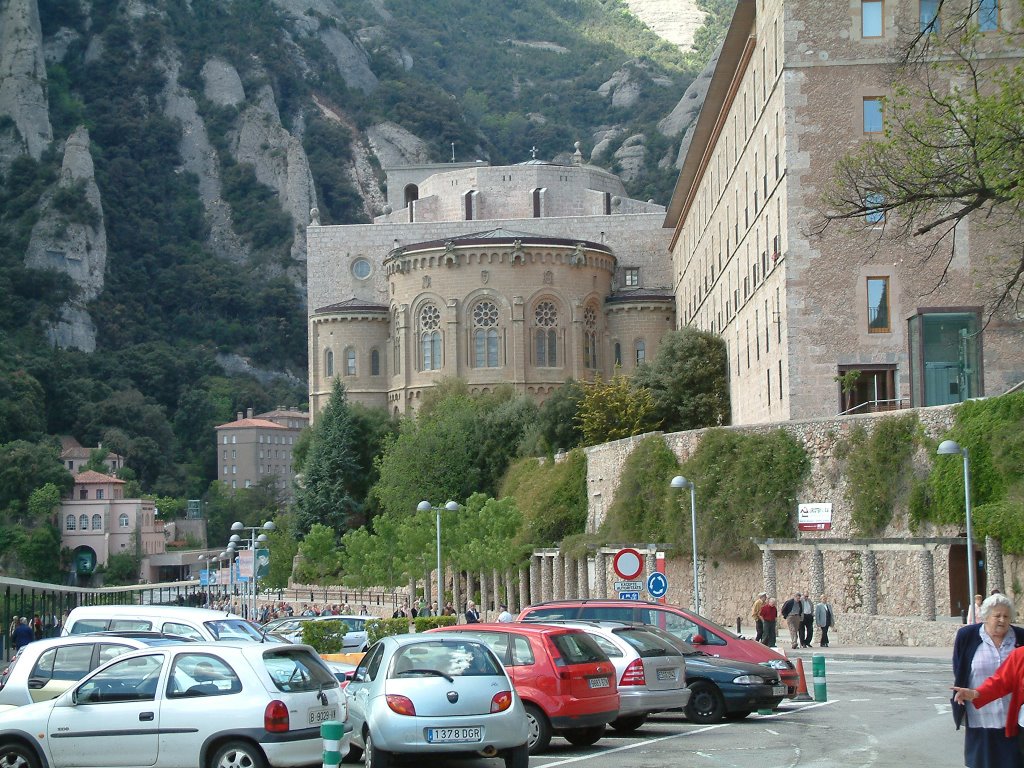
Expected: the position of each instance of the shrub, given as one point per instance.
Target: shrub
(325, 636)
(378, 628)
(423, 623)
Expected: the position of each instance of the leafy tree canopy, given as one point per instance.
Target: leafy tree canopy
(615, 409)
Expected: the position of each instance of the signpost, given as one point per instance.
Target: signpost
(657, 584)
(628, 564)
(629, 595)
(814, 517)
(629, 586)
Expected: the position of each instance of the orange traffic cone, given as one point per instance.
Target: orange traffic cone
(801, 691)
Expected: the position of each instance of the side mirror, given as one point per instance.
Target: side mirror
(698, 640)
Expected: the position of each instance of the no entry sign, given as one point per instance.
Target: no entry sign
(628, 564)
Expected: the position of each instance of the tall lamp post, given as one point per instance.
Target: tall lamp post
(426, 506)
(680, 482)
(951, 448)
(254, 541)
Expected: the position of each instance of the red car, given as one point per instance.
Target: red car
(563, 677)
(708, 636)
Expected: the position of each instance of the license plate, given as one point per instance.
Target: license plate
(322, 715)
(779, 690)
(666, 674)
(453, 735)
(599, 682)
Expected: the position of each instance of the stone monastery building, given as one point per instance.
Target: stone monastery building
(528, 274)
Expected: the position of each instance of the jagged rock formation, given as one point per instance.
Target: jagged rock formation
(684, 116)
(74, 247)
(393, 145)
(279, 161)
(221, 83)
(22, 82)
(199, 156)
(627, 85)
(674, 20)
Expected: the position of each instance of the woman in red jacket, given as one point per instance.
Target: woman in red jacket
(1008, 679)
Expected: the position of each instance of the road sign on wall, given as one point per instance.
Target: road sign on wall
(628, 586)
(657, 584)
(629, 595)
(628, 564)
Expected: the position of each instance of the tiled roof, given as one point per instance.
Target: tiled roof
(91, 477)
(353, 305)
(283, 413)
(242, 423)
(500, 235)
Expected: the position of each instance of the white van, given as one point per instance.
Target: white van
(195, 623)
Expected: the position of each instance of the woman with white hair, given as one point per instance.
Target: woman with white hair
(978, 651)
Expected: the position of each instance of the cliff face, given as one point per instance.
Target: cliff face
(22, 81)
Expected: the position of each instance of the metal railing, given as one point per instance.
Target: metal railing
(877, 406)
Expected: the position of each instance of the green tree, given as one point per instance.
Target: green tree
(952, 149)
(319, 563)
(615, 409)
(39, 553)
(22, 406)
(26, 466)
(121, 568)
(283, 548)
(43, 502)
(483, 534)
(557, 427)
(331, 469)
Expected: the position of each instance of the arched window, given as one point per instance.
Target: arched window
(430, 338)
(641, 351)
(350, 361)
(618, 353)
(590, 337)
(122, 521)
(396, 344)
(328, 362)
(97, 522)
(374, 362)
(545, 336)
(69, 523)
(83, 522)
(485, 335)
(412, 192)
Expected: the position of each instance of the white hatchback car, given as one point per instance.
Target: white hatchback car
(193, 705)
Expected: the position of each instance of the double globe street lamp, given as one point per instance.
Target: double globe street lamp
(426, 506)
(680, 482)
(254, 542)
(952, 448)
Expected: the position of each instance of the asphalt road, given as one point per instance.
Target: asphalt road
(879, 714)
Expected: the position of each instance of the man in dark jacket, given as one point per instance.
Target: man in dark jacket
(23, 634)
(792, 614)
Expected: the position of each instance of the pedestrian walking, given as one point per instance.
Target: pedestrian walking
(791, 614)
(806, 620)
(755, 612)
(769, 615)
(23, 634)
(825, 618)
(982, 655)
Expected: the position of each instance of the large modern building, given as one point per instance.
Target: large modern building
(797, 85)
(527, 274)
(259, 447)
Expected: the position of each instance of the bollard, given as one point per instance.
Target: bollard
(818, 671)
(332, 732)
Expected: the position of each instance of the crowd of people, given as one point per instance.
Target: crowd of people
(801, 615)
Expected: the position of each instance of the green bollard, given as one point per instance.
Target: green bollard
(331, 731)
(818, 672)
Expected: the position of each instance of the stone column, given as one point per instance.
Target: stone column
(926, 576)
(546, 589)
(571, 590)
(582, 578)
(771, 580)
(510, 598)
(558, 576)
(601, 568)
(817, 574)
(525, 586)
(995, 577)
(485, 595)
(869, 582)
(536, 595)
(496, 588)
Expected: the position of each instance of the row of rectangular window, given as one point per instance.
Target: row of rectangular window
(872, 16)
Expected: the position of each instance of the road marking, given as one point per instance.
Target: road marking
(655, 740)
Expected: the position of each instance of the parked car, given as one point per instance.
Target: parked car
(426, 695)
(190, 705)
(723, 688)
(651, 669)
(566, 682)
(341, 670)
(44, 669)
(197, 623)
(685, 625)
(291, 629)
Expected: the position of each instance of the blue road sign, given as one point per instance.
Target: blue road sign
(629, 595)
(657, 584)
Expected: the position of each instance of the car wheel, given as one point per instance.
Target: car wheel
(738, 715)
(706, 704)
(518, 757)
(540, 730)
(375, 758)
(238, 754)
(355, 754)
(14, 755)
(628, 724)
(584, 737)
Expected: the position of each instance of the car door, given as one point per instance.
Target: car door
(111, 719)
(57, 669)
(357, 692)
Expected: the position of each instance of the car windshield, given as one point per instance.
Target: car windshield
(295, 669)
(647, 643)
(354, 625)
(234, 629)
(445, 658)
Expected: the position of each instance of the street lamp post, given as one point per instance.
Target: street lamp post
(254, 541)
(679, 482)
(426, 506)
(950, 448)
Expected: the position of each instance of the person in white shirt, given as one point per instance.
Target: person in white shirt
(504, 617)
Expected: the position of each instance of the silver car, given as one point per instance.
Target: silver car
(189, 705)
(651, 670)
(354, 640)
(432, 694)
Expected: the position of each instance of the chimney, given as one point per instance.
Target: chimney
(248, 413)
(239, 416)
